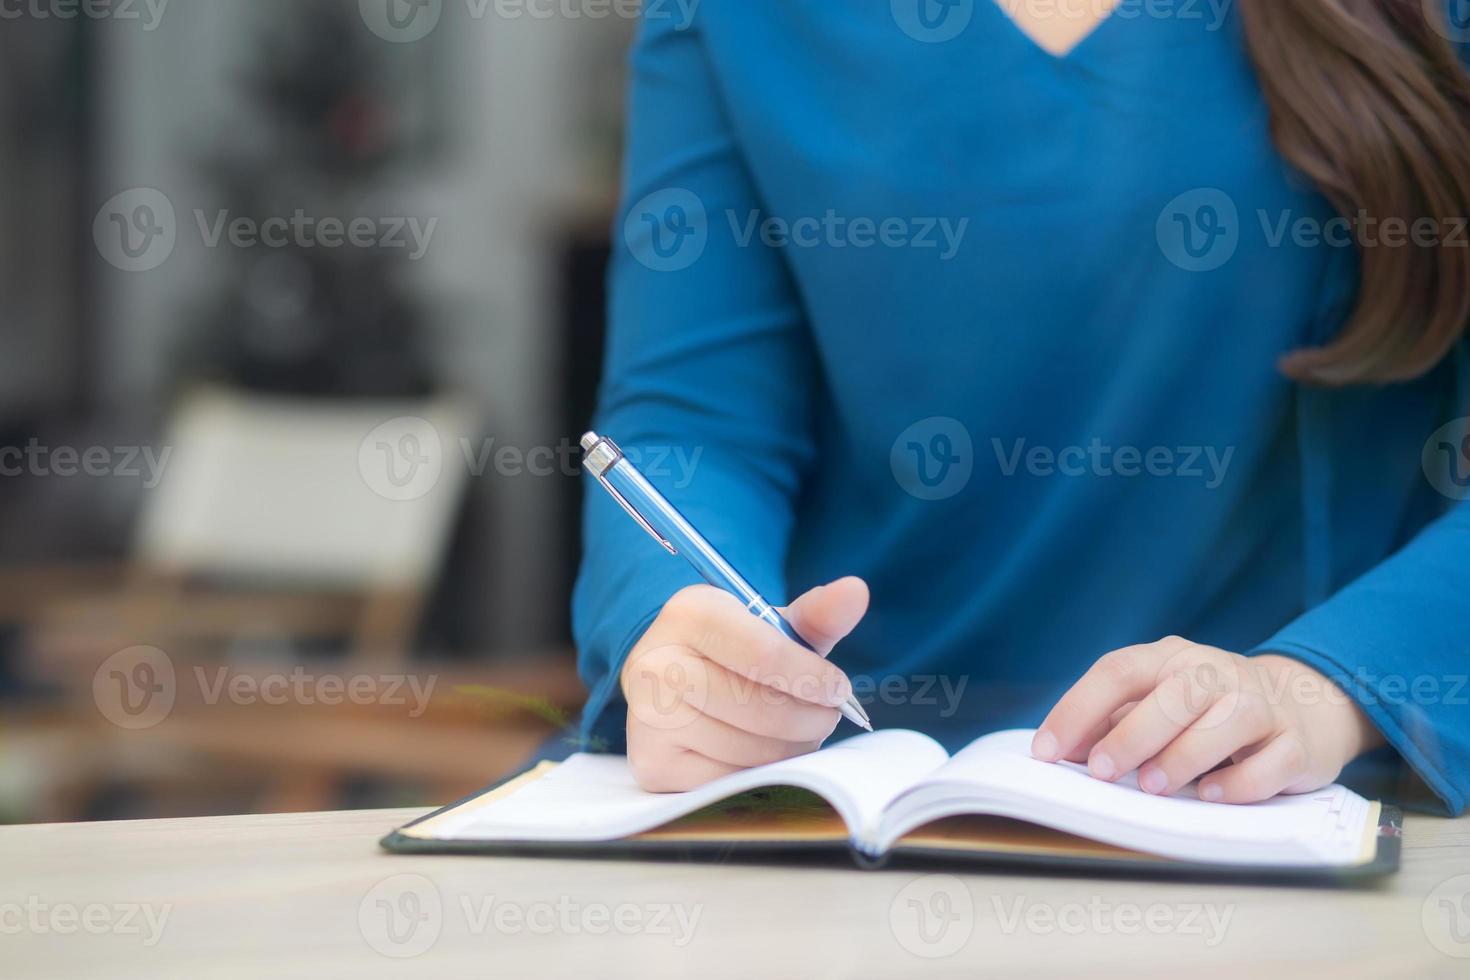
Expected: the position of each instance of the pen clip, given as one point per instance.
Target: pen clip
(633, 513)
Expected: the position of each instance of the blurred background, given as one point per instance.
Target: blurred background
(300, 317)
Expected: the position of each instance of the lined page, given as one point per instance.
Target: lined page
(996, 775)
(595, 798)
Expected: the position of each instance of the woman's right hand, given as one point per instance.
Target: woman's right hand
(711, 689)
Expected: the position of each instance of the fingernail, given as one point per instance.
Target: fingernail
(1210, 792)
(1152, 780)
(1044, 746)
(1102, 766)
(841, 691)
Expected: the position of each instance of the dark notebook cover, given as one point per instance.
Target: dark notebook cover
(785, 826)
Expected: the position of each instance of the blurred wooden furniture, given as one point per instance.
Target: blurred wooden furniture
(276, 521)
(444, 730)
(235, 737)
(308, 895)
(281, 528)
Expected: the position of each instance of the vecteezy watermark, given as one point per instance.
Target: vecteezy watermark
(128, 462)
(1362, 230)
(670, 689)
(1209, 921)
(149, 12)
(401, 916)
(404, 915)
(681, 12)
(932, 916)
(1190, 683)
(1446, 917)
(933, 459)
(1370, 688)
(1201, 230)
(302, 687)
(38, 917)
(406, 21)
(137, 688)
(1213, 13)
(668, 686)
(933, 21)
(1208, 464)
(403, 459)
(302, 230)
(401, 21)
(137, 230)
(939, 691)
(669, 230)
(671, 466)
(1446, 459)
(834, 231)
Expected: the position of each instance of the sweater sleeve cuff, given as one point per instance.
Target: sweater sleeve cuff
(1390, 711)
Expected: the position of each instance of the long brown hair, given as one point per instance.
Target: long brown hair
(1369, 99)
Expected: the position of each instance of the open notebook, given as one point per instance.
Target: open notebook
(898, 793)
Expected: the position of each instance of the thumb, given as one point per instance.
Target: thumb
(828, 613)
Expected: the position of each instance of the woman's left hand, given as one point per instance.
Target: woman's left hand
(1175, 710)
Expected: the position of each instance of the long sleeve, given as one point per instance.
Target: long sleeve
(709, 372)
(1397, 640)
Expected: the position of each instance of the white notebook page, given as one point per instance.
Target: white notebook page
(594, 797)
(1322, 827)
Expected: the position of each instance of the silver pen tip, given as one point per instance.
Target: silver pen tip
(590, 439)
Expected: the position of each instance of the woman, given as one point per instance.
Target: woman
(1061, 328)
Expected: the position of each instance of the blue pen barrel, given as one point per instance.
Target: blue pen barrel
(665, 521)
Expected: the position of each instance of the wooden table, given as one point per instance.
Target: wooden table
(310, 895)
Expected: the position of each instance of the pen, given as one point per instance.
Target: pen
(661, 519)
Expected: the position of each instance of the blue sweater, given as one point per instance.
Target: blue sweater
(997, 331)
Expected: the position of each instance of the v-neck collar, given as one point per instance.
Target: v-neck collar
(1029, 40)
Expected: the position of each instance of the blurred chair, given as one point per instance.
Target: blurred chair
(278, 522)
(283, 532)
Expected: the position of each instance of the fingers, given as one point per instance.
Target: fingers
(825, 615)
(1283, 765)
(1083, 749)
(764, 711)
(1231, 724)
(675, 744)
(661, 767)
(1198, 709)
(716, 740)
(725, 633)
(1117, 678)
(668, 687)
(711, 689)
(1157, 720)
